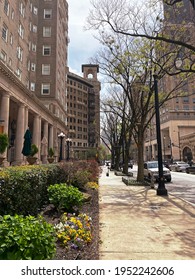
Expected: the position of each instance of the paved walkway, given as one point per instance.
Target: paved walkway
(136, 224)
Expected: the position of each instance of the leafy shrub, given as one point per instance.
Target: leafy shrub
(50, 152)
(4, 142)
(80, 172)
(80, 178)
(65, 197)
(74, 231)
(34, 150)
(26, 238)
(23, 189)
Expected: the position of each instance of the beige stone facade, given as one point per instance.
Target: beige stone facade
(83, 103)
(177, 116)
(33, 77)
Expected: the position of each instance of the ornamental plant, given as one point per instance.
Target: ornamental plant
(92, 185)
(4, 142)
(74, 231)
(34, 150)
(65, 197)
(26, 238)
(50, 152)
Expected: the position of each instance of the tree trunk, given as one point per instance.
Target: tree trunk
(140, 146)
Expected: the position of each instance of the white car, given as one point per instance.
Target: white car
(179, 166)
(151, 170)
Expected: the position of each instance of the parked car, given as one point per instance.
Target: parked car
(151, 170)
(166, 164)
(179, 166)
(190, 169)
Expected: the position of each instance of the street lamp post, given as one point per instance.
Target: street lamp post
(164, 138)
(61, 137)
(171, 147)
(68, 141)
(161, 190)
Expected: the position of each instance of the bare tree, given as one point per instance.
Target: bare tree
(119, 127)
(149, 19)
(129, 64)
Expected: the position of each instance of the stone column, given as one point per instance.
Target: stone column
(36, 134)
(4, 110)
(20, 130)
(4, 116)
(51, 136)
(45, 142)
(26, 118)
(35, 130)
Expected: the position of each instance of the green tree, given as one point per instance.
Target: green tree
(130, 65)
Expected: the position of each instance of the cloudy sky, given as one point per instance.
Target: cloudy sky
(82, 45)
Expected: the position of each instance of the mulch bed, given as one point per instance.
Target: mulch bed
(90, 251)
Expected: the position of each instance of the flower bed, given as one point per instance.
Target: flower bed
(74, 231)
(24, 191)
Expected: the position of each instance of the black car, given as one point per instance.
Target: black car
(190, 169)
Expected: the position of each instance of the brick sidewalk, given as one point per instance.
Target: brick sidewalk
(136, 224)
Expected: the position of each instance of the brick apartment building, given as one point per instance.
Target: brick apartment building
(33, 76)
(83, 110)
(178, 115)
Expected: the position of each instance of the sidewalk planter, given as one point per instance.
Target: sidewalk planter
(131, 182)
(31, 158)
(120, 173)
(50, 159)
(50, 155)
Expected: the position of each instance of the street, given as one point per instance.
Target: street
(182, 185)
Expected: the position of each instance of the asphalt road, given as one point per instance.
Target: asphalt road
(182, 185)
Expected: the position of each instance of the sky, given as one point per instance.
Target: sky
(82, 44)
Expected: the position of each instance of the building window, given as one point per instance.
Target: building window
(186, 99)
(21, 31)
(35, 10)
(3, 56)
(22, 9)
(34, 47)
(19, 73)
(33, 67)
(34, 29)
(12, 14)
(46, 50)
(45, 89)
(45, 69)
(32, 86)
(186, 107)
(19, 53)
(6, 7)
(4, 32)
(46, 31)
(47, 13)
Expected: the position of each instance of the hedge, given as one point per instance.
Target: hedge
(23, 190)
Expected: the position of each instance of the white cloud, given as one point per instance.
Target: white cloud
(82, 44)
